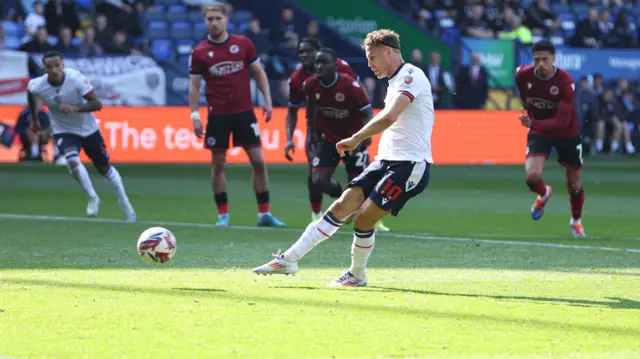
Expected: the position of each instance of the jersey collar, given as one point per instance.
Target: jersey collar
(64, 77)
(398, 70)
(335, 81)
(555, 71)
(218, 43)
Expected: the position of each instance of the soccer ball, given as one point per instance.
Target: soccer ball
(157, 245)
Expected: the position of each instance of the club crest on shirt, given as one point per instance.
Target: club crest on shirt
(234, 49)
(339, 97)
(408, 80)
(554, 90)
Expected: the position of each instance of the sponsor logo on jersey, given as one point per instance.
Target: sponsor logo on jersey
(541, 104)
(554, 90)
(226, 68)
(234, 49)
(334, 113)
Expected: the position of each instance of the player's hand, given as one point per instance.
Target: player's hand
(67, 109)
(345, 145)
(197, 128)
(290, 147)
(268, 112)
(525, 120)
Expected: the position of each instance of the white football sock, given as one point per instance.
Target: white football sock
(114, 179)
(615, 145)
(363, 242)
(79, 172)
(35, 150)
(575, 221)
(630, 147)
(599, 145)
(315, 234)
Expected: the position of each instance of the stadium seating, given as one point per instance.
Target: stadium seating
(181, 30)
(158, 29)
(162, 49)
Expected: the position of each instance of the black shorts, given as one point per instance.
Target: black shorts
(390, 184)
(93, 145)
(243, 126)
(326, 159)
(569, 150)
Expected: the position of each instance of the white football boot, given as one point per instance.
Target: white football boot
(93, 206)
(278, 265)
(127, 211)
(348, 280)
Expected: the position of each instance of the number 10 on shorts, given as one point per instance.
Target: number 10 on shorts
(390, 190)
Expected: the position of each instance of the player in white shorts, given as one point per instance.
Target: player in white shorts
(400, 171)
(71, 101)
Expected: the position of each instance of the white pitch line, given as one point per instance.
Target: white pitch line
(255, 228)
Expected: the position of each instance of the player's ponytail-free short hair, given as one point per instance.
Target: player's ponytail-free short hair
(217, 6)
(311, 40)
(330, 51)
(544, 45)
(382, 37)
(50, 54)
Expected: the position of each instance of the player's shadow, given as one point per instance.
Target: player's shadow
(613, 303)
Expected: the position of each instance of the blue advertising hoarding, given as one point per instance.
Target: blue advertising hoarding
(610, 63)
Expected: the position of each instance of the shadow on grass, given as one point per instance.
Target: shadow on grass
(613, 303)
(430, 312)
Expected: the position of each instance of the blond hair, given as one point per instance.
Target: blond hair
(382, 37)
(217, 6)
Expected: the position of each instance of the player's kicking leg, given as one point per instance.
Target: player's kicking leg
(95, 148)
(315, 233)
(70, 145)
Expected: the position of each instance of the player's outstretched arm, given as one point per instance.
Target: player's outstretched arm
(34, 104)
(263, 85)
(383, 120)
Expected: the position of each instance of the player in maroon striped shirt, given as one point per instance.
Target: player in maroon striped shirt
(547, 94)
(224, 61)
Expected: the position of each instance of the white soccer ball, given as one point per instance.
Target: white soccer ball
(157, 245)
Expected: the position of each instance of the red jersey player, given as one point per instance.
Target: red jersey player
(224, 61)
(547, 95)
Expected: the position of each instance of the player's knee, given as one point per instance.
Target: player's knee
(534, 178)
(102, 168)
(362, 221)
(319, 181)
(258, 165)
(73, 162)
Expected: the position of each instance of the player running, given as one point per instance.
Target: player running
(547, 95)
(337, 108)
(71, 101)
(224, 60)
(400, 172)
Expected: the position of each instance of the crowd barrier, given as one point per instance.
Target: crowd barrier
(164, 135)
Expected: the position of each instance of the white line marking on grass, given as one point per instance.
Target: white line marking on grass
(255, 228)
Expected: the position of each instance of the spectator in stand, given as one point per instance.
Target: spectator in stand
(1, 38)
(624, 32)
(120, 45)
(61, 12)
(540, 19)
(472, 85)
(38, 42)
(123, 14)
(517, 30)
(588, 32)
(597, 84)
(288, 52)
(278, 36)
(12, 10)
(606, 29)
(622, 86)
(89, 47)
(260, 39)
(477, 26)
(435, 73)
(35, 19)
(103, 31)
(606, 110)
(584, 96)
(312, 30)
(65, 42)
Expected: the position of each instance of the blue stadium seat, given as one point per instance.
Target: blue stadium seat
(559, 7)
(181, 30)
(446, 23)
(158, 15)
(567, 22)
(240, 16)
(636, 12)
(76, 41)
(199, 30)
(580, 9)
(177, 13)
(86, 4)
(184, 47)
(441, 14)
(12, 29)
(12, 42)
(195, 16)
(162, 49)
(170, 2)
(158, 29)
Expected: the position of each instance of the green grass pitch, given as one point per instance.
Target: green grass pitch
(466, 273)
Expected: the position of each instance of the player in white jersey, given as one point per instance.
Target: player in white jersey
(71, 101)
(400, 172)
